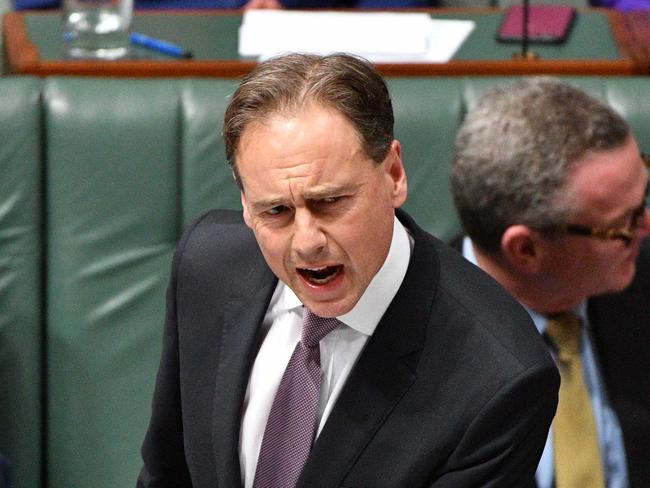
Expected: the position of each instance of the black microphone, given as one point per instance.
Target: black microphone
(524, 37)
(525, 54)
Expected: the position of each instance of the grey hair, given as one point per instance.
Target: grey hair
(515, 150)
(286, 84)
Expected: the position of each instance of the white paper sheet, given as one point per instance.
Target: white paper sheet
(377, 36)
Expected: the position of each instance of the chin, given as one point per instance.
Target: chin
(327, 310)
(622, 283)
(334, 307)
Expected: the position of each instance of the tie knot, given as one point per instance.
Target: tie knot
(564, 330)
(314, 328)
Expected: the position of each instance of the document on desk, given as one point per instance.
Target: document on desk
(388, 37)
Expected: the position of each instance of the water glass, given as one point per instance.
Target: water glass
(97, 29)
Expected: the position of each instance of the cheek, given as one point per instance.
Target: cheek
(366, 230)
(572, 265)
(609, 273)
(272, 243)
(372, 242)
(624, 272)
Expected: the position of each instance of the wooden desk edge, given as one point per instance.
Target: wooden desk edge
(22, 57)
(630, 47)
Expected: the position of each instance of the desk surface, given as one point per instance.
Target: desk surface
(599, 44)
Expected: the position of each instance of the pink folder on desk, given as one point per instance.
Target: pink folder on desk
(546, 23)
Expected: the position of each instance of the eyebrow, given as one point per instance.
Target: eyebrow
(329, 191)
(264, 204)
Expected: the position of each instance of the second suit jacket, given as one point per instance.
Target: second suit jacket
(454, 389)
(621, 328)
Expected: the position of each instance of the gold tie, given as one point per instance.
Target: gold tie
(575, 439)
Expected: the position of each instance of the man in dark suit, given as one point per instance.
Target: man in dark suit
(431, 375)
(551, 190)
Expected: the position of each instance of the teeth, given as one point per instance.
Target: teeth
(320, 275)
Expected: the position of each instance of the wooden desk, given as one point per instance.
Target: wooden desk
(599, 44)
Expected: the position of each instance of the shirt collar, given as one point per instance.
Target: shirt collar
(370, 308)
(542, 320)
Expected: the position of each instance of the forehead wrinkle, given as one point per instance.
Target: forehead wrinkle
(292, 197)
(290, 168)
(309, 187)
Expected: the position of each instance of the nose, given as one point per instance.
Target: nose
(309, 239)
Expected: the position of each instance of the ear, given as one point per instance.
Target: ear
(396, 174)
(247, 215)
(521, 247)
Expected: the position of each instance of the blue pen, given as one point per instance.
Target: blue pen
(159, 45)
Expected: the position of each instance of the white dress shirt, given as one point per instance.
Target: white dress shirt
(339, 350)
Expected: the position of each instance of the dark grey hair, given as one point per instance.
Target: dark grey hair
(286, 84)
(514, 152)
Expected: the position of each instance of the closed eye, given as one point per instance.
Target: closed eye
(330, 199)
(327, 203)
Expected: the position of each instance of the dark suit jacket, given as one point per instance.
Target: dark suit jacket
(454, 389)
(5, 472)
(621, 326)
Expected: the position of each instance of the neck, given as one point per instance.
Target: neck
(537, 291)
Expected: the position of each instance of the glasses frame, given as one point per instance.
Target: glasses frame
(624, 234)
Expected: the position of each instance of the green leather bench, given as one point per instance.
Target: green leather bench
(98, 179)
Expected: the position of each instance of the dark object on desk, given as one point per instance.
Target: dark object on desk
(549, 24)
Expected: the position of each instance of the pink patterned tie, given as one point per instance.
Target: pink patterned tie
(291, 426)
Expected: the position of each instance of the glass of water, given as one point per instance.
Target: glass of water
(97, 29)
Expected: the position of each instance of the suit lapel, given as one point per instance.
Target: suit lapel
(243, 315)
(382, 375)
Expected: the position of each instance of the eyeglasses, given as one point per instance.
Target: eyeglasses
(624, 234)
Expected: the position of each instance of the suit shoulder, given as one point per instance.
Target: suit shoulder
(220, 227)
(481, 304)
(469, 301)
(216, 242)
(218, 217)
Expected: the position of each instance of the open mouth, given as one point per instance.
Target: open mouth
(320, 276)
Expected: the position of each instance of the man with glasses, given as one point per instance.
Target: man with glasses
(551, 190)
